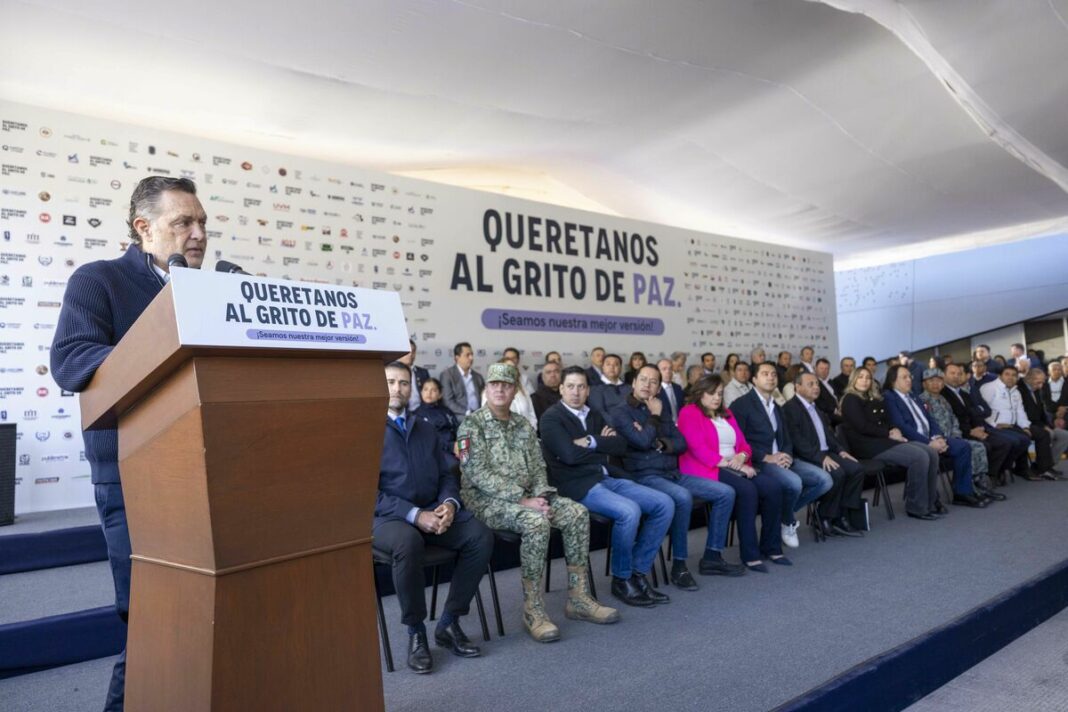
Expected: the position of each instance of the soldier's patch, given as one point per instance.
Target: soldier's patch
(464, 447)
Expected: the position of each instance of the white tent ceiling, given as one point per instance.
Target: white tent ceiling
(855, 126)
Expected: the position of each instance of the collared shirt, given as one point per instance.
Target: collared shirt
(414, 400)
(917, 414)
(817, 423)
(165, 276)
(1006, 407)
(669, 392)
(769, 408)
(604, 380)
(735, 390)
(472, 390)
(581, 415)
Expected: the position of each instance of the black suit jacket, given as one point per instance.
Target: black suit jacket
(680, 399)
(1032, 405)
(543, 399)
(574, 470)
(827, 403)
(803, 435)
(753, 422)
(1047, 397)
(968, 414)
(839, 384)
(413, 472)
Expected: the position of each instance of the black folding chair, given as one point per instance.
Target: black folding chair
(873, 468)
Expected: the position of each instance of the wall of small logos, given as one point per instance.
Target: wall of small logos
(473, 266)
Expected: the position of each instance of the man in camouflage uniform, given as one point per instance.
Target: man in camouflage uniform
(505, 484)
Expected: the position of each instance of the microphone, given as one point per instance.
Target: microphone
(228, 267)
(177, 260)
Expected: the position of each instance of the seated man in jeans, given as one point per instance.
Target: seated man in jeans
(652, 459)
(762, 422)
(577, 444)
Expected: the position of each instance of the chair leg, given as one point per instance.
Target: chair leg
(886, 495)
(548, 564)
(947, 480)
(496, 601)
(383, 633)
(434, 596)
(481, 614)
(663, 565)
(608, 555)
(730, 532)
(589, 577)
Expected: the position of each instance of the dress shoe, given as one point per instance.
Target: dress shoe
(706, 567)
(827, 528)
(682, 578)
(625, 590)
(419, 659)
(1048, 475)
(780, 560)
(1031, 476)
(925, 517)
(761, 568)
(452, 638)
(843, 528)
(651, 593)
(940, 509)
(969, 500)
(990, 494)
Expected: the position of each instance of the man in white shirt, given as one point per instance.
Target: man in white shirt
(739, 384)
(511, 354)
(1007, 413)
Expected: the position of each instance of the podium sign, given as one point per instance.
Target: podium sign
(251, 415)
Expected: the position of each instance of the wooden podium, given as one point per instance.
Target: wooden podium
(250, 476)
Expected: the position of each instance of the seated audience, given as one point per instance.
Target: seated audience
(548, 393)
(654, 444)
(670, 394)
(941, 414)
(693, 375)
(578, 446)
(757, 356)
(869, 363)
(827, 402)
(1001, 449)
(551, 357)
(593, 372)
(419, 376)
(814, 442)
(982, 353)
(761, 420)
(521, 403)
(908, 415)
(678, 368)
(808, 355)
(872, 437)
(782, 365)
(791, 377)
(637, 360)
(717, 450)
(904, 358)
(739, 384)
(511, 355)
(461, 385)
(1030, 388)
(1007, 414)
(504, 483)
(979, 378)
(418, 504)
(611, 391)
(708, 362)
(728, 367)
(839, 382)
(441, 419)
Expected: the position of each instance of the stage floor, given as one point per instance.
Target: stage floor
(749, 643)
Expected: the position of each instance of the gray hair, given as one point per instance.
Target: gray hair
(144, 203)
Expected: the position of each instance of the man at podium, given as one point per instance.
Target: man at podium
(102, 301)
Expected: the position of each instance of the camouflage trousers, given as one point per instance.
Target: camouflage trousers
(570, 517)
(980, 466)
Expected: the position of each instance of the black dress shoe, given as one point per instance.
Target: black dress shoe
(757, 567)
(925, 517)
(842, 528)
(419, 659)
(1031, 476)
(996, 496)
(780, 560)
(940, 509)
(827, 528)
(1048, 475)
(625, 590)
(651, 593)
(452, 638)
(719, 567)
(969, 500)
(682, 578)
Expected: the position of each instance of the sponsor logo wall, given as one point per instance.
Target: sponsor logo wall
(468, 265)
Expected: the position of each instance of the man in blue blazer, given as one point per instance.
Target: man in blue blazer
(419, 504)
(762, 422)
(908, 415)
(670, 393)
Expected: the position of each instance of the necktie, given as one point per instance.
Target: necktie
(399, 422)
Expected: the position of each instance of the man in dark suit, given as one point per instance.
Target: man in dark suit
(461, 385)
(610, 391)
(1001, 449)
(762, 422)
(982, 353)
(579, 447)
(670, 393)
(839, 382)
(915, 370)
(548, 393)
(827, 401)
(814, 442)
(419, 504)
(419, 375)
(593, 373)
(1030, 389)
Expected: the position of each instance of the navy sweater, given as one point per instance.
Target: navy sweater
(102, 301)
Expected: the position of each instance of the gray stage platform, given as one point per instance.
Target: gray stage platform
(737, 644)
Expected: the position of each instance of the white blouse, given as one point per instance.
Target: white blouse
(727, 438)
(1055, 389)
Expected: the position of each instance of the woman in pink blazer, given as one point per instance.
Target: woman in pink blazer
(716, 449)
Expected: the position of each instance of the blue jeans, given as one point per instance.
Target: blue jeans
(634, 543)
(111, 507)
(682, 489)
(961, 453)
(802, 484)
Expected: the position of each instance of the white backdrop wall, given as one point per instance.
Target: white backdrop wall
(472, 266)
(921, 303)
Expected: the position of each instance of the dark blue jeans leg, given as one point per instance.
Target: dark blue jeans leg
(680, 522)
(112, 509)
